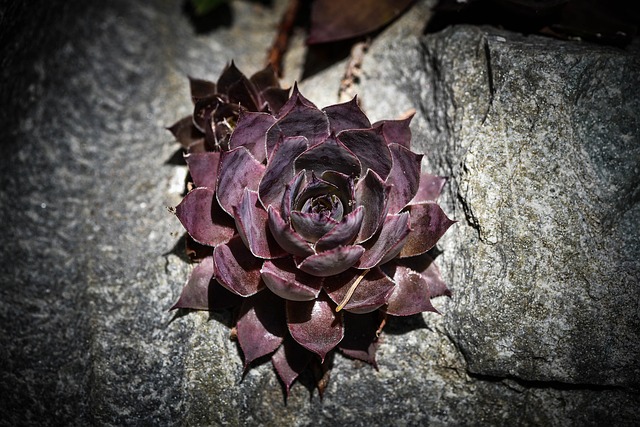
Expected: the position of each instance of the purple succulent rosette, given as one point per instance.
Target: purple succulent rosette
(320, 223)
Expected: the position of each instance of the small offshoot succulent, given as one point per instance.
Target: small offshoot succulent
(318, 225)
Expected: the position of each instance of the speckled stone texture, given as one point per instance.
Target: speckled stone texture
(540, 138)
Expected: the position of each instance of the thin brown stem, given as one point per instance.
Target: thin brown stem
(280, 44)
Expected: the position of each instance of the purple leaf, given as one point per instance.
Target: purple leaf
(344, 232)
(203, 168)
(290, 193)
(230, 75)
(250, 133)
(203, 110)
(252, 225)
(396, 131)
(410, 295)
(387, 243)
(237, 269)
(238, 170)
(428, 223)
(360, 340)
(285, 280)
(275, 98)
(195, 294)
(295, 100)
(185, 132)
(203, 218)
(331, 155)
(331, 262)
(312, 226)
(244, 93)
(348, 115)
(372, 193)
(426, 266)
(201, 89)
(261, 326)
(265, 78)
(315, 325)
(289, 361)
(279, 170)
(371, 149)
(404, 176)
(286, 237)
(301, 119)
(430, 188)
(370, 293)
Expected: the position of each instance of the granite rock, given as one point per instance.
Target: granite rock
(538, 136)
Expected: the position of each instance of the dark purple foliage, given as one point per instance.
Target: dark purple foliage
(318, 223)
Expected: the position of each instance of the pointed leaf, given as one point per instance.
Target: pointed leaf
(262, 325)
(404, 176)
(280, 172)
(370, 148)
(331, 155)
(312, 226)
(238, 170)
(236, 268)
(203, 218)
(331, 262)
(430, 188)
(360, 340)
(201, 89)
(370, 294)
(348, 115)
(302, 119)
(195, 294)
(396, 131)
(289, 361)
(250, 133)
(410, 295)
(286, 237)
(185, 132)
(428, 223)
(344, 232)
(252, 224)
(265, 78)
(245, 94)
(387, 243)
(203, 168)
(426, 266)
(275, 98)
(230, 75)
(284, 279)
(203, 110)
(372, 193)
(315, 325)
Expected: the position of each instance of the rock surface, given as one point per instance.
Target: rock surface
(540, 138)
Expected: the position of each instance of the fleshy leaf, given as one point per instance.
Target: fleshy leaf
(275, 98)
(230, 75)
(315, 325)
(428, 269)
(279, 170)
(370, 148)
(289, 361)
(372, 193)
(195, 294)
(236, 268)
(238, 170)
(252, 224)
(295, 100)
(312, 226)
(411, 294)
(348, 115)
(285, 280)
(344, 232)
(300, 120)
(360, 340)
(185, 132)
(370, 293)
(250, 133)
(265, 78)
(430, 188)
(286, 237)
(262, 325)
(203, 110)
(404, 176)
(331, 262)
(203, 218)
(387, 243)
(330, 154)
(203, 168)
(201, 89)
(428, 224)
(245, 94)
(396, 131)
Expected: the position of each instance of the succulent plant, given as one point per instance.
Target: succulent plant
(319, 224)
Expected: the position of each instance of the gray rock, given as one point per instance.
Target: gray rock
(542, 328)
